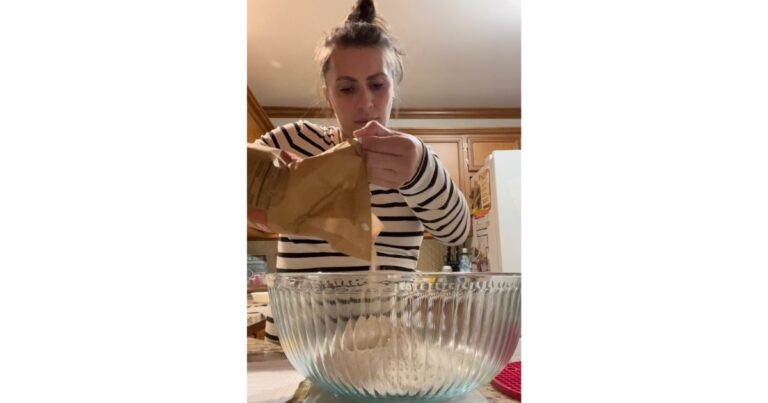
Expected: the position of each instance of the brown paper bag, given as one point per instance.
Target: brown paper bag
(266, 171)
(324, 196)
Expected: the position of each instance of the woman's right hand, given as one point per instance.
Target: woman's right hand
(289, 157)
(392, 157)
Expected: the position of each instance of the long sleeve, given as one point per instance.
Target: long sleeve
(301, 138)
(437, 201)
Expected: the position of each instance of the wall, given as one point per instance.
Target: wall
(431, 256)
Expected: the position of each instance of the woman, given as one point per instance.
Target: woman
(410, 189)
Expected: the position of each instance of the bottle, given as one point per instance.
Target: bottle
(447, 269)
(450, 260)
(465, 264)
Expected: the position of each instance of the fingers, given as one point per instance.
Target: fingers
(391, 157)
(383, 160)
(386, 170)
(257, 216)
(394, 144)
(392, 161)
(372, 129)
(289, 157)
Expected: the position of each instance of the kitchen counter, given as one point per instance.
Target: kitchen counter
(272, 379)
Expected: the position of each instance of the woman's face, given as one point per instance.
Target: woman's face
(359, 87)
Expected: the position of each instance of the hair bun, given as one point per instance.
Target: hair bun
(363, 11)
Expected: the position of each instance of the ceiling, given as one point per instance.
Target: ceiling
(459, 53)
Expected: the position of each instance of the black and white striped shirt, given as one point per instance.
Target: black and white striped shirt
(430, 200)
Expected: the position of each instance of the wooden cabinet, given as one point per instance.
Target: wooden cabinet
(480, 146)
(258, 121)
(450, 151)
(463, 151)
(258, 124)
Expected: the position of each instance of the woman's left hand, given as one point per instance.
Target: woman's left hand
(392, 157)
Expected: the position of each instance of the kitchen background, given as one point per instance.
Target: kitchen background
(462, 107)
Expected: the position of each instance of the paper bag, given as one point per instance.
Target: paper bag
(324, 196)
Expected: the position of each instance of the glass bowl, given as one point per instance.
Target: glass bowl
(397, 336)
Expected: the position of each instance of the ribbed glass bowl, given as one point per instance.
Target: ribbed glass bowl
(397, 336)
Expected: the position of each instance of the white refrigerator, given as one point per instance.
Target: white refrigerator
(495, 205)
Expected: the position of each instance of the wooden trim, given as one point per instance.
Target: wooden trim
(457, 113)
(258, 114)
(459, 131)
(404, 113)
(297, 112)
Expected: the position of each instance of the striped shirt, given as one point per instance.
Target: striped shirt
(430, 200)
